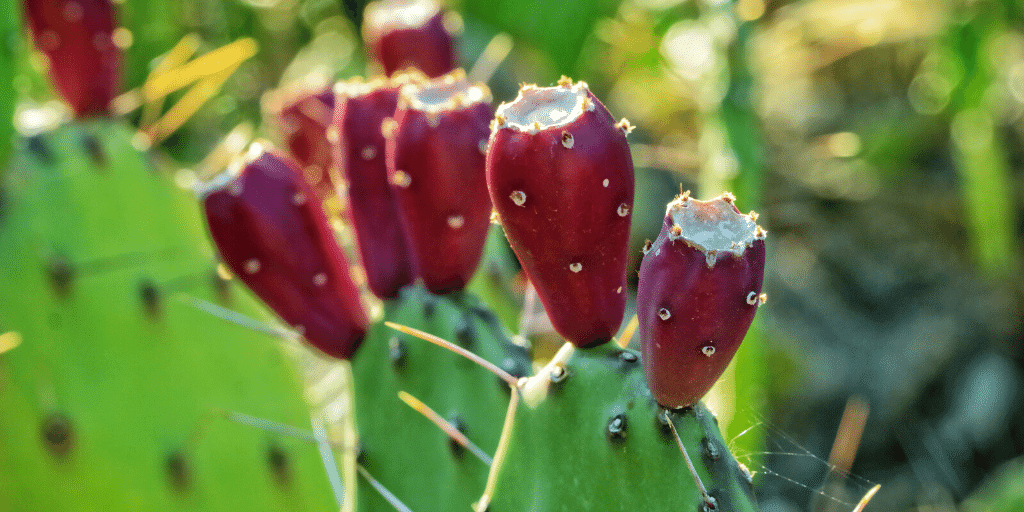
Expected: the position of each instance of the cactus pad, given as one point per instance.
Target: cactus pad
(113, 399)
(588, 435)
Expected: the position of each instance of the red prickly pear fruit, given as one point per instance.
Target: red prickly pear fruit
(409, 33)
(359, 146)
(302, 118)
(560, 176)
(700, 285)
(274, 236)
(77, 38)
(435, 159)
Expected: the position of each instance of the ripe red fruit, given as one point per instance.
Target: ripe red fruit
(700, 285)
(272, 233)
(77, 38)
(403, 33)
(302, 118)
(560, 176)
(359, 147)
(435, 158)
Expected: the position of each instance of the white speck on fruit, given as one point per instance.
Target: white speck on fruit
(576, 266)
(605, 183)
(711, 257)
(252, 266)
(664, 314)
(567, 140)
(623, 210)
(618, 290)
(320, 279)
(388, 127)
(402, 179)
(456, 221)
(708, 350)
(761, 299)
(752, 298)
(518, 197)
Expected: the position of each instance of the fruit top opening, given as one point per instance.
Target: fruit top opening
(234, 170)
(449, 92)
(357, 87)
(539, 108)
(388, 15)
(713, 225)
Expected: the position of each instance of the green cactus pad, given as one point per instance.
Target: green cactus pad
(402, 449)
(114, 398)
(586, 435)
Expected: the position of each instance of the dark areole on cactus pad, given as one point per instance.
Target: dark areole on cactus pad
(409, 33)
(77, 37)
(271, 231)
(560, 176)
(700, 285)
(435, 159)
(359, 146)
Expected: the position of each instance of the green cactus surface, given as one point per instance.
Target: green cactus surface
(400, 447)
(115, 398)
(588, 435)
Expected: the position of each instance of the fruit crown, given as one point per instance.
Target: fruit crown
(390, 15)
(713, 227)
(538, 108)
(445, 93)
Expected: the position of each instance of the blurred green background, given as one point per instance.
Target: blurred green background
(879, 139)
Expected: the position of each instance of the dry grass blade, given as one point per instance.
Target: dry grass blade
(867, 497)
(227, 57)
(629, 331)
(493, 55)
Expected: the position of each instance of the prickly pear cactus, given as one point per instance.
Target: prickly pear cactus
(115, 397)
(412, 457)
(588, 435)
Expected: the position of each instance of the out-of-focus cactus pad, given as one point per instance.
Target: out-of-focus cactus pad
(113, 399)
